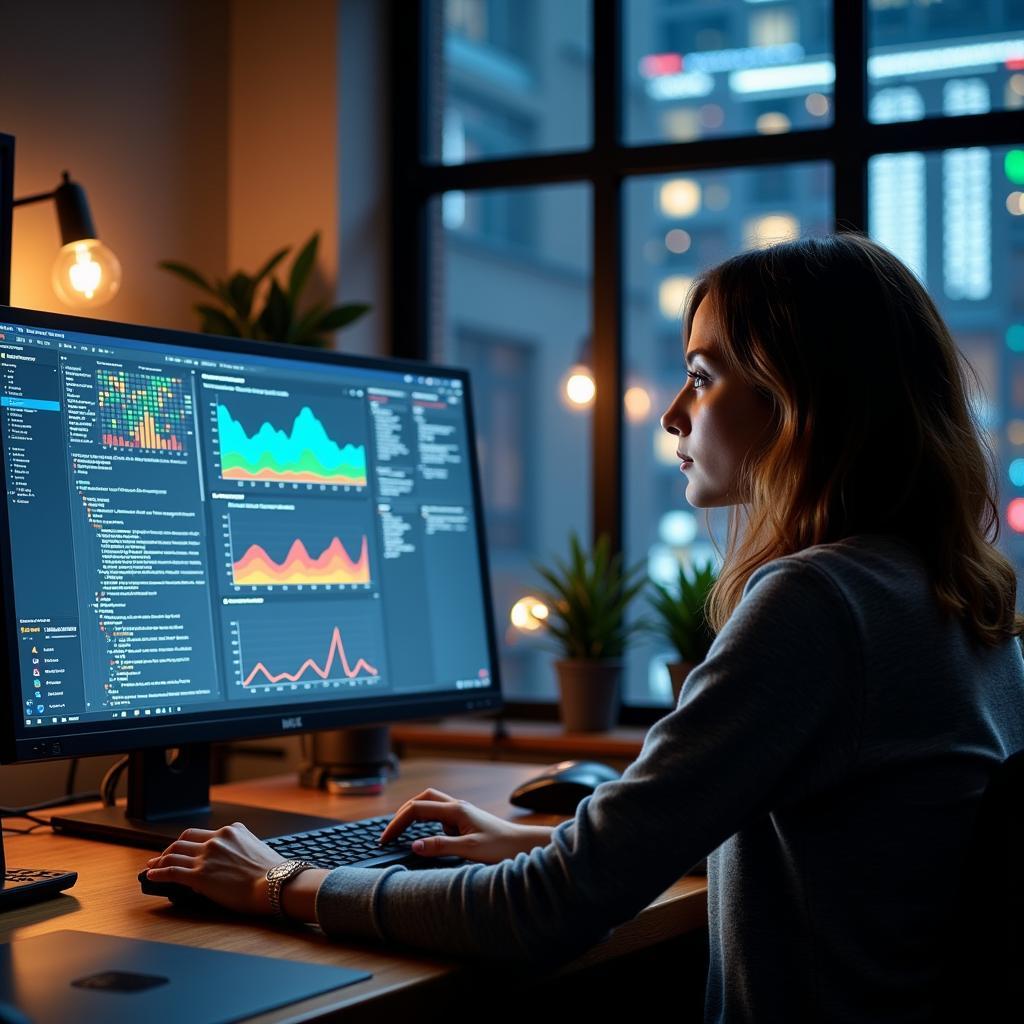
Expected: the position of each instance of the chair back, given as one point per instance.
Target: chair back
(984, 975)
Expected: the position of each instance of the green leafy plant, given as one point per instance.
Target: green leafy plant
(681, 614)
(278, 317)
(588, 601)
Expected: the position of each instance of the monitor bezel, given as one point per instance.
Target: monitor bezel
(6, 214)
(52, 742)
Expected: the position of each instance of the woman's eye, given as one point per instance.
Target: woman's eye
(698, 378)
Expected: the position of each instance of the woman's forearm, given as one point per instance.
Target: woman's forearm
(298, 898)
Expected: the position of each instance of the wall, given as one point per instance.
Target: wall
(282, 133)
(132, 100)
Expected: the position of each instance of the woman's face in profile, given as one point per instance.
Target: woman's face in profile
(717, 417)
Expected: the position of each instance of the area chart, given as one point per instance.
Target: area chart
(332, 565)
(138, 410)
(303, 454)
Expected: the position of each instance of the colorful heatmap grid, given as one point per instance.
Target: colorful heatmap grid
(141, 410)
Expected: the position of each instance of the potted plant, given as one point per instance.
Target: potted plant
(682, 621)
(587, 616)
(277, 317)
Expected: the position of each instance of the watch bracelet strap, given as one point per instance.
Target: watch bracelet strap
(275, 887)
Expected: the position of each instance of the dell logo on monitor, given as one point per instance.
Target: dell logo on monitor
(292, 723)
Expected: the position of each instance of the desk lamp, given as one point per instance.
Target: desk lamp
(86, 272)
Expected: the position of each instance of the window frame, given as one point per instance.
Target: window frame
(847, 144)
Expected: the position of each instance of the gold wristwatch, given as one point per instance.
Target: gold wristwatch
(276, 878)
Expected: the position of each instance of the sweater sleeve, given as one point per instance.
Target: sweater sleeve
(772, 714)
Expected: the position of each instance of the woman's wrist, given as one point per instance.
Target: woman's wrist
(298, 897)
(536, 835)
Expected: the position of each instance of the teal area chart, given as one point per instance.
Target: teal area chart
(275, 443)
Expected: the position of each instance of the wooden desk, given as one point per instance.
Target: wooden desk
(532, 742)
(107, 898)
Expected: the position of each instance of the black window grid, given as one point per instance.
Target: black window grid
(847, 145)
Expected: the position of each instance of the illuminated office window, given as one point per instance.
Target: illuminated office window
(675, 227)
(512, 304)
(694, 70)
(507, 78)
(971, 265)
(963, 56)
(513, 78)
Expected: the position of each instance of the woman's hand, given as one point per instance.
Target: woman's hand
(229, 866)
(471, 832)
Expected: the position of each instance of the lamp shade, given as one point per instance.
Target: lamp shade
(86, 272)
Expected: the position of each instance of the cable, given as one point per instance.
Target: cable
(59, 801)
(8, 830)
(108, 786)
(69, 785)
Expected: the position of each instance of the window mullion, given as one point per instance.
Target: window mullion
(606, 289)
(849, 131)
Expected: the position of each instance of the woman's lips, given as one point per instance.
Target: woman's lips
(685, 465)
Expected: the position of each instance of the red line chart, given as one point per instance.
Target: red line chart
(335, 651)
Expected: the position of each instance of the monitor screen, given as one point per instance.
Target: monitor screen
(208, 538)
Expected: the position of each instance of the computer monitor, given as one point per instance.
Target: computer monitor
(206, 539)
(6, 213)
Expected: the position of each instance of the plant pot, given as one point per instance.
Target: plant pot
(590, 693)
(677, 672)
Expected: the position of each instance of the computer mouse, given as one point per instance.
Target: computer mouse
(180, 895)
(558, 789)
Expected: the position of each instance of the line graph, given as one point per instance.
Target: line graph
(336, 650)
(334, 644)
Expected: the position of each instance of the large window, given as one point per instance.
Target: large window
(563, 170)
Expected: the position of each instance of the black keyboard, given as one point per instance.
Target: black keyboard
(356, 844)
(29, 885)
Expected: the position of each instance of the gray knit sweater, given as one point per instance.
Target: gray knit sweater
(828, 756)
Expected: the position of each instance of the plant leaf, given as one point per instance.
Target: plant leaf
(188, 274)
(342, 316)
(216, 321)
(305, 327)
(301, 267)
(240, 288)
(276, 317)
(270, 264)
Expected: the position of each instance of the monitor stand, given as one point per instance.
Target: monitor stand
(168, 792)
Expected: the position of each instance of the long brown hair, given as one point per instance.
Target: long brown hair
(872, 426)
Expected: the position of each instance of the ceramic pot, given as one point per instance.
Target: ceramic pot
(590, 692)
(677, 672)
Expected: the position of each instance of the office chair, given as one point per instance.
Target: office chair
(983, 979)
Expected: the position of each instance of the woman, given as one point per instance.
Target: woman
(829, 753)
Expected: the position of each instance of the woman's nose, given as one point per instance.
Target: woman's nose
(673, 418)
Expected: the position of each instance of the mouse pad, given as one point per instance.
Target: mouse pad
(100, 979)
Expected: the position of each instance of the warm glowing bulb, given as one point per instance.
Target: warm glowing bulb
(86, 273)
(579, 386)
(528, 614)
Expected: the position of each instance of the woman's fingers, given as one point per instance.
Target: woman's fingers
(178, 860)
(179, 846)
(440, 846)
(175, 873)
(421, 810)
